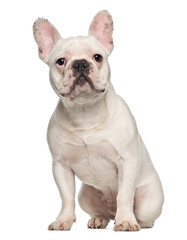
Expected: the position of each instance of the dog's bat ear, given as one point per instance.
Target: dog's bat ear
(101, 29)
(46, 37)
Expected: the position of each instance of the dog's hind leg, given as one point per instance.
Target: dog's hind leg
(91, 201)
(148, 203)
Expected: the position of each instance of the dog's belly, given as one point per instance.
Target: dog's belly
(93, 163)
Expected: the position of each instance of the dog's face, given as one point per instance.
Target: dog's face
(79, 69)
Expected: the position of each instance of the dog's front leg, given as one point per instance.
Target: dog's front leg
(128, 168)
(65, 180)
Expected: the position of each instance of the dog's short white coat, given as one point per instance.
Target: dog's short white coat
(92, 134)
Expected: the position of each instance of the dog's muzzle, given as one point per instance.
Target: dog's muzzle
(81, 69)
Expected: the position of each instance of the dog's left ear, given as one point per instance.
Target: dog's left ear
(101, 28)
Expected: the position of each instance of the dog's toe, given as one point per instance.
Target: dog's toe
(98, 222)
(61, 226)
(127, 226)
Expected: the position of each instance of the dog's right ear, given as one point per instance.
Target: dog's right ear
(46, 37)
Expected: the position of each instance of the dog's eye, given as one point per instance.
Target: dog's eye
(98, 58)
(61, 61)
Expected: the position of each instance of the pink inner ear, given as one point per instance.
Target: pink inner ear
(46, 36)
(102, 29)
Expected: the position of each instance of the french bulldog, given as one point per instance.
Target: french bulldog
(92, 134)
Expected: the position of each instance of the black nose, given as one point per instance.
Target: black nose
(81, 65)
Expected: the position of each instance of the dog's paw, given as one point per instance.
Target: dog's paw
(127, 226)
(60, 225)
(98, 222)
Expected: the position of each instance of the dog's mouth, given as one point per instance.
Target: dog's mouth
(82, 81)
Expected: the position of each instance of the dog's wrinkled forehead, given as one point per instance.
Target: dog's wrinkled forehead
(77, 48)
(99, 34)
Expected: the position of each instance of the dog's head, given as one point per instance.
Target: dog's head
(79, 69)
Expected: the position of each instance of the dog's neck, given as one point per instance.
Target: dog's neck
(86, 116)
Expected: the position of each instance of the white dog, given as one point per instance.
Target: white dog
(92, 134)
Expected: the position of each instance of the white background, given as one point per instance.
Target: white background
(149, 70)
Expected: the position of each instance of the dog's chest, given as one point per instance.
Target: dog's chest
(92, 162)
